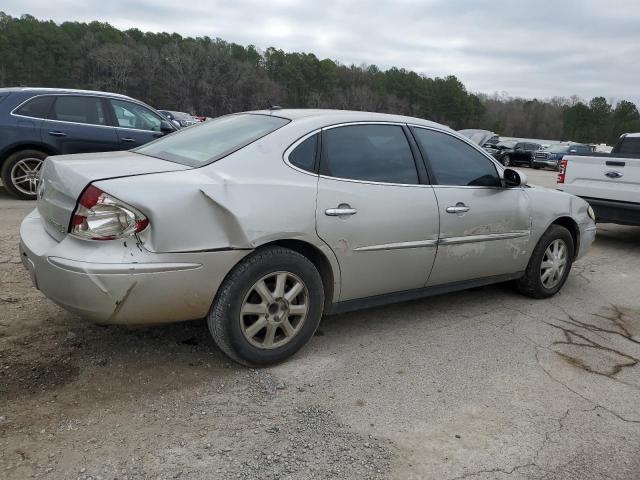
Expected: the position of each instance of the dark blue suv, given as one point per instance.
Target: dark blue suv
(38, 122)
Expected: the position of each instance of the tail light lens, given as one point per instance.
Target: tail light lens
(99, 216)
(563, 171)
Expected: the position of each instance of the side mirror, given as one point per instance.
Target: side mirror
(165, 127)
(513, 178)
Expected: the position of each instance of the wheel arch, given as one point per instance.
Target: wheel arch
(571, 225)
(329, 272)
(26, 146)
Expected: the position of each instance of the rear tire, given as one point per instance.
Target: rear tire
(268, 307)
(20, 173)
(549, 265)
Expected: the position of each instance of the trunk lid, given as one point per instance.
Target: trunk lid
(64, 177)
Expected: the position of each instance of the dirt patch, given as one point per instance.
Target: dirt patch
(19, 379)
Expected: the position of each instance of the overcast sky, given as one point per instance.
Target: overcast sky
(528, 48)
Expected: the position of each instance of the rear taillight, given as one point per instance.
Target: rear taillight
(99, 216)
(563, 171)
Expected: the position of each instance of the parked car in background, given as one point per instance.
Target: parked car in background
(609, 182)
(179, 119)
(200, 118)
(484, 138)
(512, 152)
(38, 122)
(391, 208)
(552, 156)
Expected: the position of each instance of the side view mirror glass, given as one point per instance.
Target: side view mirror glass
(513, 178)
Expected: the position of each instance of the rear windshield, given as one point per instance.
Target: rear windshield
(558, 149)
(630, 145)
(210, 141)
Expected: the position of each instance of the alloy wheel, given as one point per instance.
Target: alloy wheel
(274, 310)
(25, 174)
(506, 161)
(554, 263)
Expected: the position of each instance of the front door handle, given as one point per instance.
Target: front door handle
(458, 208)
(56, 133)
(128, 139)
(343, 210)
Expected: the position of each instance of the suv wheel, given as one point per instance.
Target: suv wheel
(20, 173)
(549, 265)
(506, 160)
(268, 307)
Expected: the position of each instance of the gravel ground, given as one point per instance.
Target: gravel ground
(482, 384)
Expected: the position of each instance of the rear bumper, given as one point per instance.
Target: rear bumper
(119, 281)
(612, 211)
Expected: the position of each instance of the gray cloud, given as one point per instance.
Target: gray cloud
(540, 48)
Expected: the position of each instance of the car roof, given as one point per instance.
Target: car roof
(37, 90)
(345, 116)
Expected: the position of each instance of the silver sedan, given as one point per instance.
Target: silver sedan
(264, 221)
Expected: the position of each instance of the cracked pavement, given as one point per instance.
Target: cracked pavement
(482, 384)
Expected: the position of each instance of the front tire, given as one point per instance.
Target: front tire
(268, 307)
(20, 173)
(549, 265)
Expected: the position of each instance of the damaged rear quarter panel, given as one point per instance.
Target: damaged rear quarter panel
(240, 202)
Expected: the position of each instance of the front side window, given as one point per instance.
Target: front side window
(212, 140)
(77, 109)
(376, 153)
(454, 162)
(37, 107)
(304, 155)
(134, 116)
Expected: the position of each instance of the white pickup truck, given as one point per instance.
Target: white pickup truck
(609, 182)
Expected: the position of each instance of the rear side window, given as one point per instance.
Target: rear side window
(209, 141)
(377, 153)
(304, 155)
(37, 107)
(77, 109)
(454, 162)
(630, 145)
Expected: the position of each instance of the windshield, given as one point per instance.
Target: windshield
(209, 141)
(558, 148)
(507, 144)
(182, 115)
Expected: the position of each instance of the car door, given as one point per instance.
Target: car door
(78, 124)
(484, 227)
(373, 211)
(135, 123)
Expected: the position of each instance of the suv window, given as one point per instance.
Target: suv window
(304, 155)
(37, 107)
(137, 117)
(377, 153)
(77, 109)
(454, 162)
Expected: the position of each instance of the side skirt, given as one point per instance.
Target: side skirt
(378, 300)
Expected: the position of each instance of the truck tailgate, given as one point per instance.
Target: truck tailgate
(610, 178)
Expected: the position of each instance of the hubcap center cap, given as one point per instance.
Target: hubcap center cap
(278, 310)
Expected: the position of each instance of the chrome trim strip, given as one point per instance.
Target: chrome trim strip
(397, 246)
(119, 268)
(483, 238)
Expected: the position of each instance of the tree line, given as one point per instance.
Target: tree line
(212, 77)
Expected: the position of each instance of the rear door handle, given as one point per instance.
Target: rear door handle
(342, 210)
(128, 139)
(56, 133)
(458, 208)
